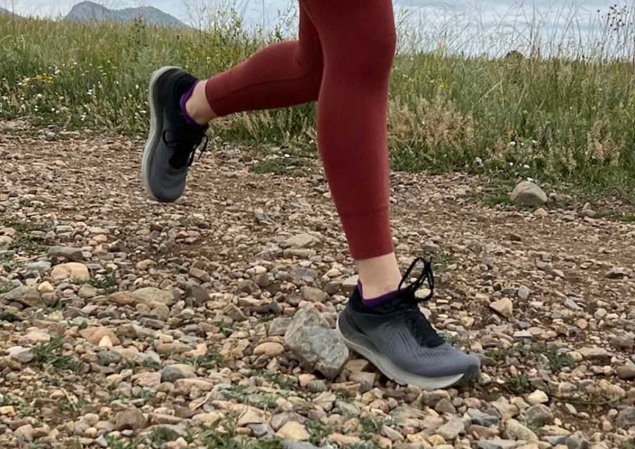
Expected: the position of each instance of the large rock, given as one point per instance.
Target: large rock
(626, 418)
(317, 346)
(504, 307)
(597, 354)
(515, 430)
(626, 372)
(498, 444)
(452, 429)
(537, 397)
(538, 415)
(131, 419)
(152, 296)
(173, 373)
(22, 355)
(27, 296)
(66, 252)
(301, 241)
(73, 271)
(294, 431)
(483, 419)
(528, 194)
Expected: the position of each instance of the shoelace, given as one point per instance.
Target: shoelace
(421, 328)
(185, 144)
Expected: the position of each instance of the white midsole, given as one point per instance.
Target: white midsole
(395, 373)
(154, 135)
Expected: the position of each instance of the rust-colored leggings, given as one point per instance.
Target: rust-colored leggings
(342, 60)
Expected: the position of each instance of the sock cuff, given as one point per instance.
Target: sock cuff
(182, 107)
(379, 300)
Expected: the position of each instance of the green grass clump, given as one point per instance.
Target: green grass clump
(553, 119)
(210, 360)
(519, 385)
(52, 353)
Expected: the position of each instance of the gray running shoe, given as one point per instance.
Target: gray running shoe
(173, 141)
(399, 340)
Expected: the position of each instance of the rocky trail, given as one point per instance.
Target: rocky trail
(130, 324)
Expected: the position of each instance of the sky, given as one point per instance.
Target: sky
(461, 25)
(179, 8)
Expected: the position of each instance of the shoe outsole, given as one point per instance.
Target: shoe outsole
(156, 124)
(393, 372)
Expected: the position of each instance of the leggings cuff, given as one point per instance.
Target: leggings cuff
(368, 233)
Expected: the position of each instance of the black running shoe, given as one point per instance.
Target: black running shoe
(399, 340)
(173, 141)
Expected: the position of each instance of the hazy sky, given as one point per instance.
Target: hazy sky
(463, 25)
(256, 7)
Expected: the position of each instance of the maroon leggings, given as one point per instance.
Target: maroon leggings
(342, 60)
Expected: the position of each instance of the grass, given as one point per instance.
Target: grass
(279, 166)
(7, 262)
(555, 359)
(239, 393)
(214, 438)
(629, 444)
(318, 431)
(30, 237)
(520, 384)
(281, 380)
(443, 260)
(5, 287)
(560, 120)
(210, 360)
(52, 353)
(108, 282)
(114, 443)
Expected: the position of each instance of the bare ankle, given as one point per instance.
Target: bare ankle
(375, 291)
(198, 107)
(379, 275)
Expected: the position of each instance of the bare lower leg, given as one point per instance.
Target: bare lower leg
(379, 275)
(198, 107)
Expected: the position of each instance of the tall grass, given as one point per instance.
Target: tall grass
(554, 119)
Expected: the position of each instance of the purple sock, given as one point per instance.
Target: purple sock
(374, 302)
(184, 99)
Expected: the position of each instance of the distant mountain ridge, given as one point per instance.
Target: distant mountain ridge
(5, 11)
(89, 11)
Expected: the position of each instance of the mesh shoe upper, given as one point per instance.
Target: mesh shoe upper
(399, 331)
(177, 140)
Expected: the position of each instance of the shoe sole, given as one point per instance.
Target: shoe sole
(156, 124)
(393, 372)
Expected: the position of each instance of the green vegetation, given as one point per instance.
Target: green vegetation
(5, 286)
(210, 360)
(550, 355)
(114, 443)
(559, 120)
(215, 438)
(107, 282)
(31, 239)
(520, 384)
(629, 444)
(52, 353)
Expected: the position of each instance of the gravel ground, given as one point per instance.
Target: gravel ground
(128, 324)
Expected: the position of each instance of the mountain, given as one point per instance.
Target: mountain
(5, 11)
(90, 11)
